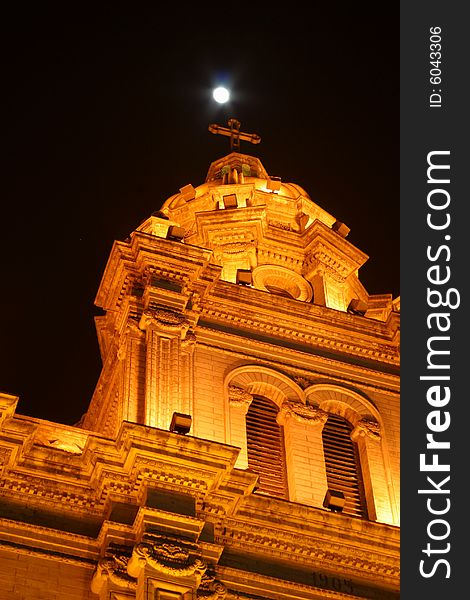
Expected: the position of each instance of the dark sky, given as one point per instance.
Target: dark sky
(105, 115)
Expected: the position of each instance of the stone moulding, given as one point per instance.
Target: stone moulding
(306, 333)
(138, 457)
(356, 554)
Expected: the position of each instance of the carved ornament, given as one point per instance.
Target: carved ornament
(113, 568)
(302, 413)
(165, 319)
(171, 557)
(211, 588)
(238, 397)
(366, 428)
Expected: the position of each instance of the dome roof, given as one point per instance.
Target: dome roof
(266, 233)
(244, 177)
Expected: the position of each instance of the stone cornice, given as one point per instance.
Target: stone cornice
(353, 555)
(81, 483)
(304, 363)
(131, 260)
(51, 476)
(246, 585)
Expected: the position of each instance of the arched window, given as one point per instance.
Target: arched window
(265, 443)
(343, 467)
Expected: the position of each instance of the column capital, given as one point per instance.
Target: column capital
(302, 413)
(112, 570)
(366, 428)
(162, 319)
(239, 398)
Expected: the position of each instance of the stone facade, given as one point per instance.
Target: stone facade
(237, 288)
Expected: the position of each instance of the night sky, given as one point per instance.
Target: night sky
(105, 115)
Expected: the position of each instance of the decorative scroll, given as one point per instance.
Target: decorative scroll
(189, 339)
(211, 588)
(113, 569)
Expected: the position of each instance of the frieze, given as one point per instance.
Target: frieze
(378, 352)
(233, 248)
(326, 586)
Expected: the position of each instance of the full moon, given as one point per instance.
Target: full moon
(221, 95)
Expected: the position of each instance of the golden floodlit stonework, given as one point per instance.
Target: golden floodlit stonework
(238, 309)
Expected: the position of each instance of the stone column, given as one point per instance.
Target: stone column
(239, 403)
(188, 345)
(306, 471)
(132, 355)
(367, 436)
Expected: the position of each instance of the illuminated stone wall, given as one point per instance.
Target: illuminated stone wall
(240, 287)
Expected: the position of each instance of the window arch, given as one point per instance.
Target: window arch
(265, 446)
(343, 465)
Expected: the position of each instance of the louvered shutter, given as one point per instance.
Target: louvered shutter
(343, 468)
(265, 441)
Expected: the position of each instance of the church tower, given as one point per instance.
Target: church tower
(243, 438)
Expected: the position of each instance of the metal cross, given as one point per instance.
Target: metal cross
(233, 130)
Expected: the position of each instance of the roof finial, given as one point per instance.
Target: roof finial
(233, 130)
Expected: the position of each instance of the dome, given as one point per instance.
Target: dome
(264, 232)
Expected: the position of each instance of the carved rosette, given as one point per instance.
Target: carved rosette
(170, 557)
(302, 413)
(366, 428)
(112, 569)
(239, 397)
(164, 319)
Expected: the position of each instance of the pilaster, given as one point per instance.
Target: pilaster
(239, 403)
(164, 374)
(303, 426)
